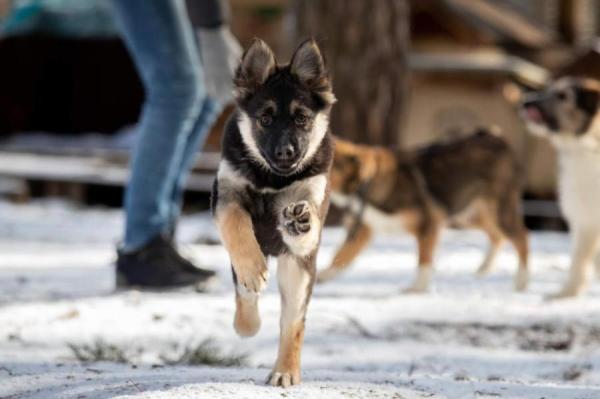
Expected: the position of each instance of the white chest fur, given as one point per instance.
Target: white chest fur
(579, 185)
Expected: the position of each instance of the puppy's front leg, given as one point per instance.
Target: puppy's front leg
(296, 277)
(248, 263)
(300, 227)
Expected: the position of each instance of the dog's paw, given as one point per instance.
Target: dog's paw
(414, 289)
(296, 218)
(421, 283)
(246, 321)
(483, 270)
(284, 379)
(521, 280)
(253, 276)
(565, 293)
(328, 274)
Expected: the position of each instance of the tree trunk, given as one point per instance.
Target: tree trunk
(365, 43)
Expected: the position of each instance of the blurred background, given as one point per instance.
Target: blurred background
(405, 73)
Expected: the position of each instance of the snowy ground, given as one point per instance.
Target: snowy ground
(468, 338)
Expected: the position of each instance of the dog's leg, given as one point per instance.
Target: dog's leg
(520, 242)
(296, 277)
(352, 246)
(585, 246)
(511, 223)
(490, 257)
(487, 221)
(246, 321)
(427, 240)
(248, 263)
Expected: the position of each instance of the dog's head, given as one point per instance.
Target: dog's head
(355, 165)
(345, 176)
(565, 110)
(283, 109)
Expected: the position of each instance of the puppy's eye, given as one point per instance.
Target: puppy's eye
(265, 119)
(300, 120)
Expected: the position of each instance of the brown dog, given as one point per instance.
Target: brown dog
(471, 181)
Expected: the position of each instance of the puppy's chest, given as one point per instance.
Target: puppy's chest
(579, 186)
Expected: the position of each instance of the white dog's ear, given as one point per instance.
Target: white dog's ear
(258, 63)
(308, 65)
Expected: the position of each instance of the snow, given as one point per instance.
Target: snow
(468, 338)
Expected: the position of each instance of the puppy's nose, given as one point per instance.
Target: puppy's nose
(284, 152)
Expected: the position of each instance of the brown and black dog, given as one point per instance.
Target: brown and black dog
(271, 194)
(471, 181)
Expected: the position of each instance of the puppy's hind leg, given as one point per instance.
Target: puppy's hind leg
(585, 247)
(427, 240)
(296, 277)
(487, 221)
(246, 321)
(520, 241)
(511, 223)
(249, 266)
(352, 246)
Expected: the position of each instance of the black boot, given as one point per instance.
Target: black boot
(159, 265)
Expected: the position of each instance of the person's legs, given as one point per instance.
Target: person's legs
(209, 112)
(161, 42)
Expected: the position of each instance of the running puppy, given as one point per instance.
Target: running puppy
(271, 194)
(566, 112)
(471, 181)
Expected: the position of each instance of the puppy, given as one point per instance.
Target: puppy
(271, 194)
(470, 181)
(566, 112)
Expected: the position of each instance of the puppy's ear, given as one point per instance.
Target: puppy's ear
(308, 66)
(258, 63)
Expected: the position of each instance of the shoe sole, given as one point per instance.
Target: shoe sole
(122, 284)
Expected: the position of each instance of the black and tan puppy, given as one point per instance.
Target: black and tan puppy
(470, 181)
(271, 194)
(567, 112)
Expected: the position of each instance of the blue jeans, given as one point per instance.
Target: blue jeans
(176, 115)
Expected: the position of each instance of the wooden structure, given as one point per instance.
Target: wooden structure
(403, 78)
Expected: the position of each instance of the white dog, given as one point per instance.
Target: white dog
(566, 112)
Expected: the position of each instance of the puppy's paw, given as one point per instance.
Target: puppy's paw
(565, 293)
(247, 318)
(521, 280)
(252, 275)
(483, 270)
(284, 378)
(295, 218)
(327, 274)
(421, 283)
(414, 289)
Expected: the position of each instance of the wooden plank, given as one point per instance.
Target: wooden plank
(480, 62)
(79, 169)
(507, 21)
(205, 160)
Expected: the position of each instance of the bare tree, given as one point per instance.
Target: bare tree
(366, 45)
